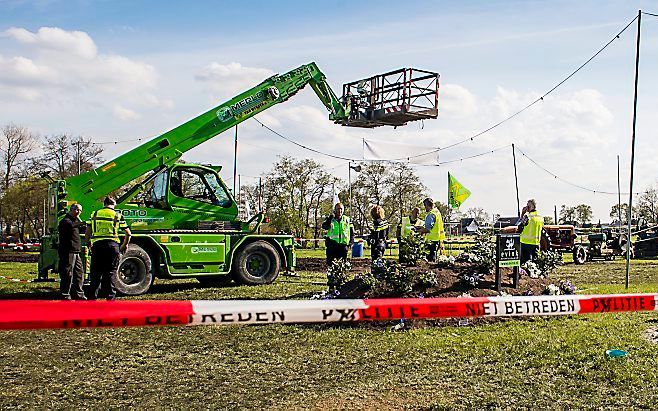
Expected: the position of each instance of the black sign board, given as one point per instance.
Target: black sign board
(508, 254)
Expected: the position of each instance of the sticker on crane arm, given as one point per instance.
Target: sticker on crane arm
(34, 314)
(108, 166)
(244, 106)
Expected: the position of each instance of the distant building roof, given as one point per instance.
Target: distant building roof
(469, 225)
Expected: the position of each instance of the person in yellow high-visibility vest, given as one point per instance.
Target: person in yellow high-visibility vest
(407, 225)
(340, 234)
(531, 226)
(433, 228)
(105, 248)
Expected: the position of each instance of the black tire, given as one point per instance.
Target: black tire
(256, 263)
(135, 275)
(579, 255)
(215, 281)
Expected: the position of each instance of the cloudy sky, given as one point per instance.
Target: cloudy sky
(122, 70)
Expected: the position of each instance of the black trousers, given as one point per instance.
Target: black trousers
(335, 251)
(528, 252)
(378, 249)
(105, 258)
(433, 249)
(71, 276)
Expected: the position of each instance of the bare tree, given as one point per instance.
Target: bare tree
(478, 213)
(15, 143)
(64, 155)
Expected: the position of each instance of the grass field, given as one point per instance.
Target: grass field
(534, 363)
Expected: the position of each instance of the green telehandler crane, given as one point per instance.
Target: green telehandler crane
(183, 218)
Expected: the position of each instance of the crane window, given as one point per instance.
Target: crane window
(199, 185)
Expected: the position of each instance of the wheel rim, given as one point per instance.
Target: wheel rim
(258, 264)
(131, 270)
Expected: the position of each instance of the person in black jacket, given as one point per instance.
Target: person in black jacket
(378, 233)
(70, 263)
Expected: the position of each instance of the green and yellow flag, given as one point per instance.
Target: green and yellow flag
(457, 193)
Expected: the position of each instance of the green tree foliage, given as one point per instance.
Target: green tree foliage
(394, 186)
(582, 213)
(567, 214)
(25, 158)
(297, 195)
(23, 206)
(614, 213)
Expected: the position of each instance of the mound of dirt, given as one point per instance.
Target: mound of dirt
(449, 283)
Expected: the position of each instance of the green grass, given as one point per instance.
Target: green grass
(536, 363)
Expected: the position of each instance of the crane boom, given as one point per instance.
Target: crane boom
(167, 148)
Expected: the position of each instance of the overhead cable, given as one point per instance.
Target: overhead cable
(304, 146)
(471, 138)
(484, 153)
(565, 180)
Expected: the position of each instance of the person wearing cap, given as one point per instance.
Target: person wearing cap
(105, 248)
(70, 269)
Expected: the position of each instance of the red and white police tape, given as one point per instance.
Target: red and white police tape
(32, 314)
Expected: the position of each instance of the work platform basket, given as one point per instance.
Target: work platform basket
(392, 99)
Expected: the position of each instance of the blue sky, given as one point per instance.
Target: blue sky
(114, 70)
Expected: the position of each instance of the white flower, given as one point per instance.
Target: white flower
(553, 289)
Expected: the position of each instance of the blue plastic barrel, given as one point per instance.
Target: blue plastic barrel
(357, 250)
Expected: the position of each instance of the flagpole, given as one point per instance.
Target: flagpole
(516, 183)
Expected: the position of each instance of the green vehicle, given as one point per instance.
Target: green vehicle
(182, 216)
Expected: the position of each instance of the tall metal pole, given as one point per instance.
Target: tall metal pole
(260, 197)
(555, 213)
(349, 184)
(516, 182)
(401, 203)
(79, 161)
(235, 160)
(619, 193)
(239, 194)
(260, 194)
(630, 191)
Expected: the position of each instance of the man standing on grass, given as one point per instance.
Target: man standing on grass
(70, 263)
(105, 249)
(433, 228)
(340, 234)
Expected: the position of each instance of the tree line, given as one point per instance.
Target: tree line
(28, 161)
(297, 194)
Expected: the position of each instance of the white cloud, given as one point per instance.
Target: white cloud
(63, 66)
(457, 101)
(77, 43)
(232, 78)
(125, 114)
